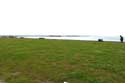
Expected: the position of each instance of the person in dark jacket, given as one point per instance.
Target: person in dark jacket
(121, 38)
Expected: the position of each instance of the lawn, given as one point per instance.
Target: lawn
(56, 61)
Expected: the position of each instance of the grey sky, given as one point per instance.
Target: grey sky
(86, 17)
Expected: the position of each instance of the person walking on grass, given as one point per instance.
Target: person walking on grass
(121, 38)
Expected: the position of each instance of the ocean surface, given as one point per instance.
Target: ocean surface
(80, 37)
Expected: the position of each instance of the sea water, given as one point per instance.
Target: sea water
(89, 38)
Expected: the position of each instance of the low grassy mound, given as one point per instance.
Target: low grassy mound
(56, 61)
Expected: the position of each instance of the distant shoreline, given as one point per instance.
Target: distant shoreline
(69, 37)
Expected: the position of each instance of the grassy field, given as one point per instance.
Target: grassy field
(56, 61)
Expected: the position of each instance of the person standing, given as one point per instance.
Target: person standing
(121, 38)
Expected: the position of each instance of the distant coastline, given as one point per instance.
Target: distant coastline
(70, 37)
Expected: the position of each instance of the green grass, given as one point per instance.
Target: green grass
(56, 61)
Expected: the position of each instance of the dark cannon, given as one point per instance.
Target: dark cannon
(100, 40)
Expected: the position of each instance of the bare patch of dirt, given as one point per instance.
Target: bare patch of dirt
(47, 82)
(2, 81)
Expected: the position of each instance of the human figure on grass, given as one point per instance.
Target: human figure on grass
(121, 38)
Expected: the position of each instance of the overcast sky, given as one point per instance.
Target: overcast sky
(78, 17)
